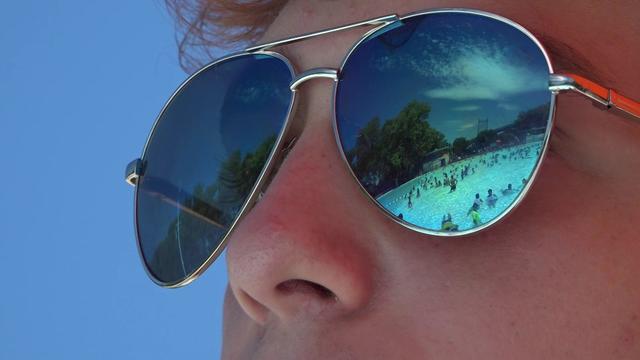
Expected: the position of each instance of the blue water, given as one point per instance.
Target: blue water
(512, 166)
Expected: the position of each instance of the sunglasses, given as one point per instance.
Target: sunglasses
(443, 118)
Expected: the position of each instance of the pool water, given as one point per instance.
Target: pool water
(491, 170)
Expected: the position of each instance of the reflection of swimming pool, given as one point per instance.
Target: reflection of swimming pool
(434, 202)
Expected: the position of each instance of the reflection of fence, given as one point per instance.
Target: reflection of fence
(183, 200)
(507, 138)
(534, 138)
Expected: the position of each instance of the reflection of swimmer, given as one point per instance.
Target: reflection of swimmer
(508, 190)
(475, 215)
(491, 199)
(447, 223)
(418, 192)
(453, 184)
(410, 204)
(478, 201)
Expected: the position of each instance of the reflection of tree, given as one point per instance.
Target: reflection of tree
(533, 118)
(383, 157)
(485, 138)
(367, 162)
(532, 121)
(459, 146)
(239, 174)
(205, 214)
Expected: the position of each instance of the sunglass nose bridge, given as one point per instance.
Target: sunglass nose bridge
(327, 73)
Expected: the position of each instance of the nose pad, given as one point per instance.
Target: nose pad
(296, 123)
(309, 246)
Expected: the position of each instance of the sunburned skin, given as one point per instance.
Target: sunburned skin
(558, 279)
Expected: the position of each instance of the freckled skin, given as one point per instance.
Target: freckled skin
(558, 279)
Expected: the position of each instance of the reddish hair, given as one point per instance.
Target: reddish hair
(204, 26)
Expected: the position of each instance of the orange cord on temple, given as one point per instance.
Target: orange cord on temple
(615, 99)
(626, 104)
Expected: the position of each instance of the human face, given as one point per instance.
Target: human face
(317, 272)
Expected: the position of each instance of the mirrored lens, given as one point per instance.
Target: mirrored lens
(203, 159)
(443, 118)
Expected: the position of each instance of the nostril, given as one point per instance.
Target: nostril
(299, 286)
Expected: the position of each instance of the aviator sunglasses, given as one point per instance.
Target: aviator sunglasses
(443, 118)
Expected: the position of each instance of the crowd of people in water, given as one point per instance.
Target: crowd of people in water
(474, 210)
(455, 173)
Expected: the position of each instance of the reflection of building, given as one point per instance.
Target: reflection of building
(436, 159)
(483, 124)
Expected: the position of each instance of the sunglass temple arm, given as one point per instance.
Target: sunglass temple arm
(607, 98)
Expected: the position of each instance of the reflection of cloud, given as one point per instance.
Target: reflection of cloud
(467, 126)
(466, 108)
(479, 74)
(508, 107)
(462, 64)
(258, 91)
(250, 94)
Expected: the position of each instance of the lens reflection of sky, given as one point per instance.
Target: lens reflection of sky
(466, 67)
(235, 105)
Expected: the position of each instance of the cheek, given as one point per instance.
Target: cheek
(596, 142)
(239, 332)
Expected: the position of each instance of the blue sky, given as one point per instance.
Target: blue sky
(80, 85)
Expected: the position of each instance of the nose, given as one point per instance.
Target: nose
(308, 247)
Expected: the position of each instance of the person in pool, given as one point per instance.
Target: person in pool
(341, 280)
(448, 224)
(509, 190)
(474, 212)
(491, 199)
(477, 201)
